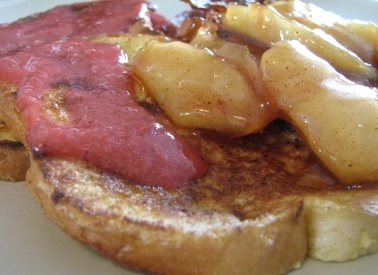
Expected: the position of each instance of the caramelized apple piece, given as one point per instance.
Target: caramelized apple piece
(236, 55)
(338, 118)
(263, 23)
(198, 89)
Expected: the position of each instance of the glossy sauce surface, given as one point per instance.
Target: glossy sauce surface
(77, 20)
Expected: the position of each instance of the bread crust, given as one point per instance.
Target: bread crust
(14, 160)
(162, 231)
(14, 157)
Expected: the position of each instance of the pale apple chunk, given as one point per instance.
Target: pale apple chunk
(338, 118)
(197, 89)
(354, 35)
(264, 24)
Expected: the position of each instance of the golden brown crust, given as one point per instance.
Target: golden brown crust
(14, 158)
(10, 115)
(14, 161)
(164, 231)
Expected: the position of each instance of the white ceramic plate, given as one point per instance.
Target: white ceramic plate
(31, 244)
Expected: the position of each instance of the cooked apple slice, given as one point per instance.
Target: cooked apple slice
(352, 34)
(338, 118)
(264, 24)
(198, 89)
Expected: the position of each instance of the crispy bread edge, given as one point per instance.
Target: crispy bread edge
(92, 209)
(14, 157)
(14, 161)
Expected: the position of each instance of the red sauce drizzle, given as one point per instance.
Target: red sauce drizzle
(106, 127)
(77, 20)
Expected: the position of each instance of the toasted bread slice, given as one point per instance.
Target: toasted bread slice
(262, 208)
(248, 215)
(171, 232)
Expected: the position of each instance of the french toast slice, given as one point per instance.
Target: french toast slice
(255, 211)
(171, 232)
(248, 215)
